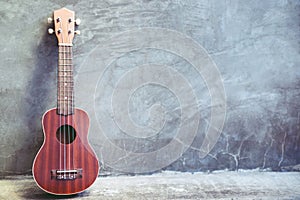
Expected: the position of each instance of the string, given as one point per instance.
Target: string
(59, 103)
(68, 127)
(70, 97)
(66, 100)
(62, 99)
(61, 56)
(68, 106)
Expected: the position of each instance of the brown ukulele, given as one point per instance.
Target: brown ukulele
(65, 164)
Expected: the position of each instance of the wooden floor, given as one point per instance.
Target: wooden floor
(171, 185)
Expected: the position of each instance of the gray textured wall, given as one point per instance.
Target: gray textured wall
(254, 45)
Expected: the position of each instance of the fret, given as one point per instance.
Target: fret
(62, 76)
(69, 101)
(65, 57)
(63, 82)
(65, 86)
(69, 70)
(65, 64)
(65, 93)
(65, 96)
(63, 68)
(62, 103)
(65, 103)
(62, 88)
(66, 52)
(67, 76)
(65, 72)
(66, 80)
(69, 87)
(63, 99)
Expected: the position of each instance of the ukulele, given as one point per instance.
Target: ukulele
(66, 163)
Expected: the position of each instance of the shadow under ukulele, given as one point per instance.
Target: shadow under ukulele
(31, 191)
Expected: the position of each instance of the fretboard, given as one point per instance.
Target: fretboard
(65, 81)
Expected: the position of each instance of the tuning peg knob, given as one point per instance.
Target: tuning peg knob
(77, 32)
(50, 31)
(77, 21)
(50, 20)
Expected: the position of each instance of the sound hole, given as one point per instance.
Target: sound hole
(66, 134)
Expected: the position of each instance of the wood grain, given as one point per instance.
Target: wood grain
(55, 155)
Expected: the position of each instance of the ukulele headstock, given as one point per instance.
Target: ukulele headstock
(64, 26)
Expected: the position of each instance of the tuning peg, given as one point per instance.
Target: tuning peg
(50, 31)
(77, 21)
(50, 20)
(77, 32)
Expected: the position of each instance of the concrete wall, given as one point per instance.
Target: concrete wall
(179, 85)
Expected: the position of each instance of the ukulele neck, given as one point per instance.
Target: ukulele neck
(65, 81)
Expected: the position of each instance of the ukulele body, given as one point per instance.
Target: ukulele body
(65, 164)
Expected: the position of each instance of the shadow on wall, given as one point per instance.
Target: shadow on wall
(39, 95)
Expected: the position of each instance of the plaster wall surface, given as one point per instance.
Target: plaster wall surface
(132, 67)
